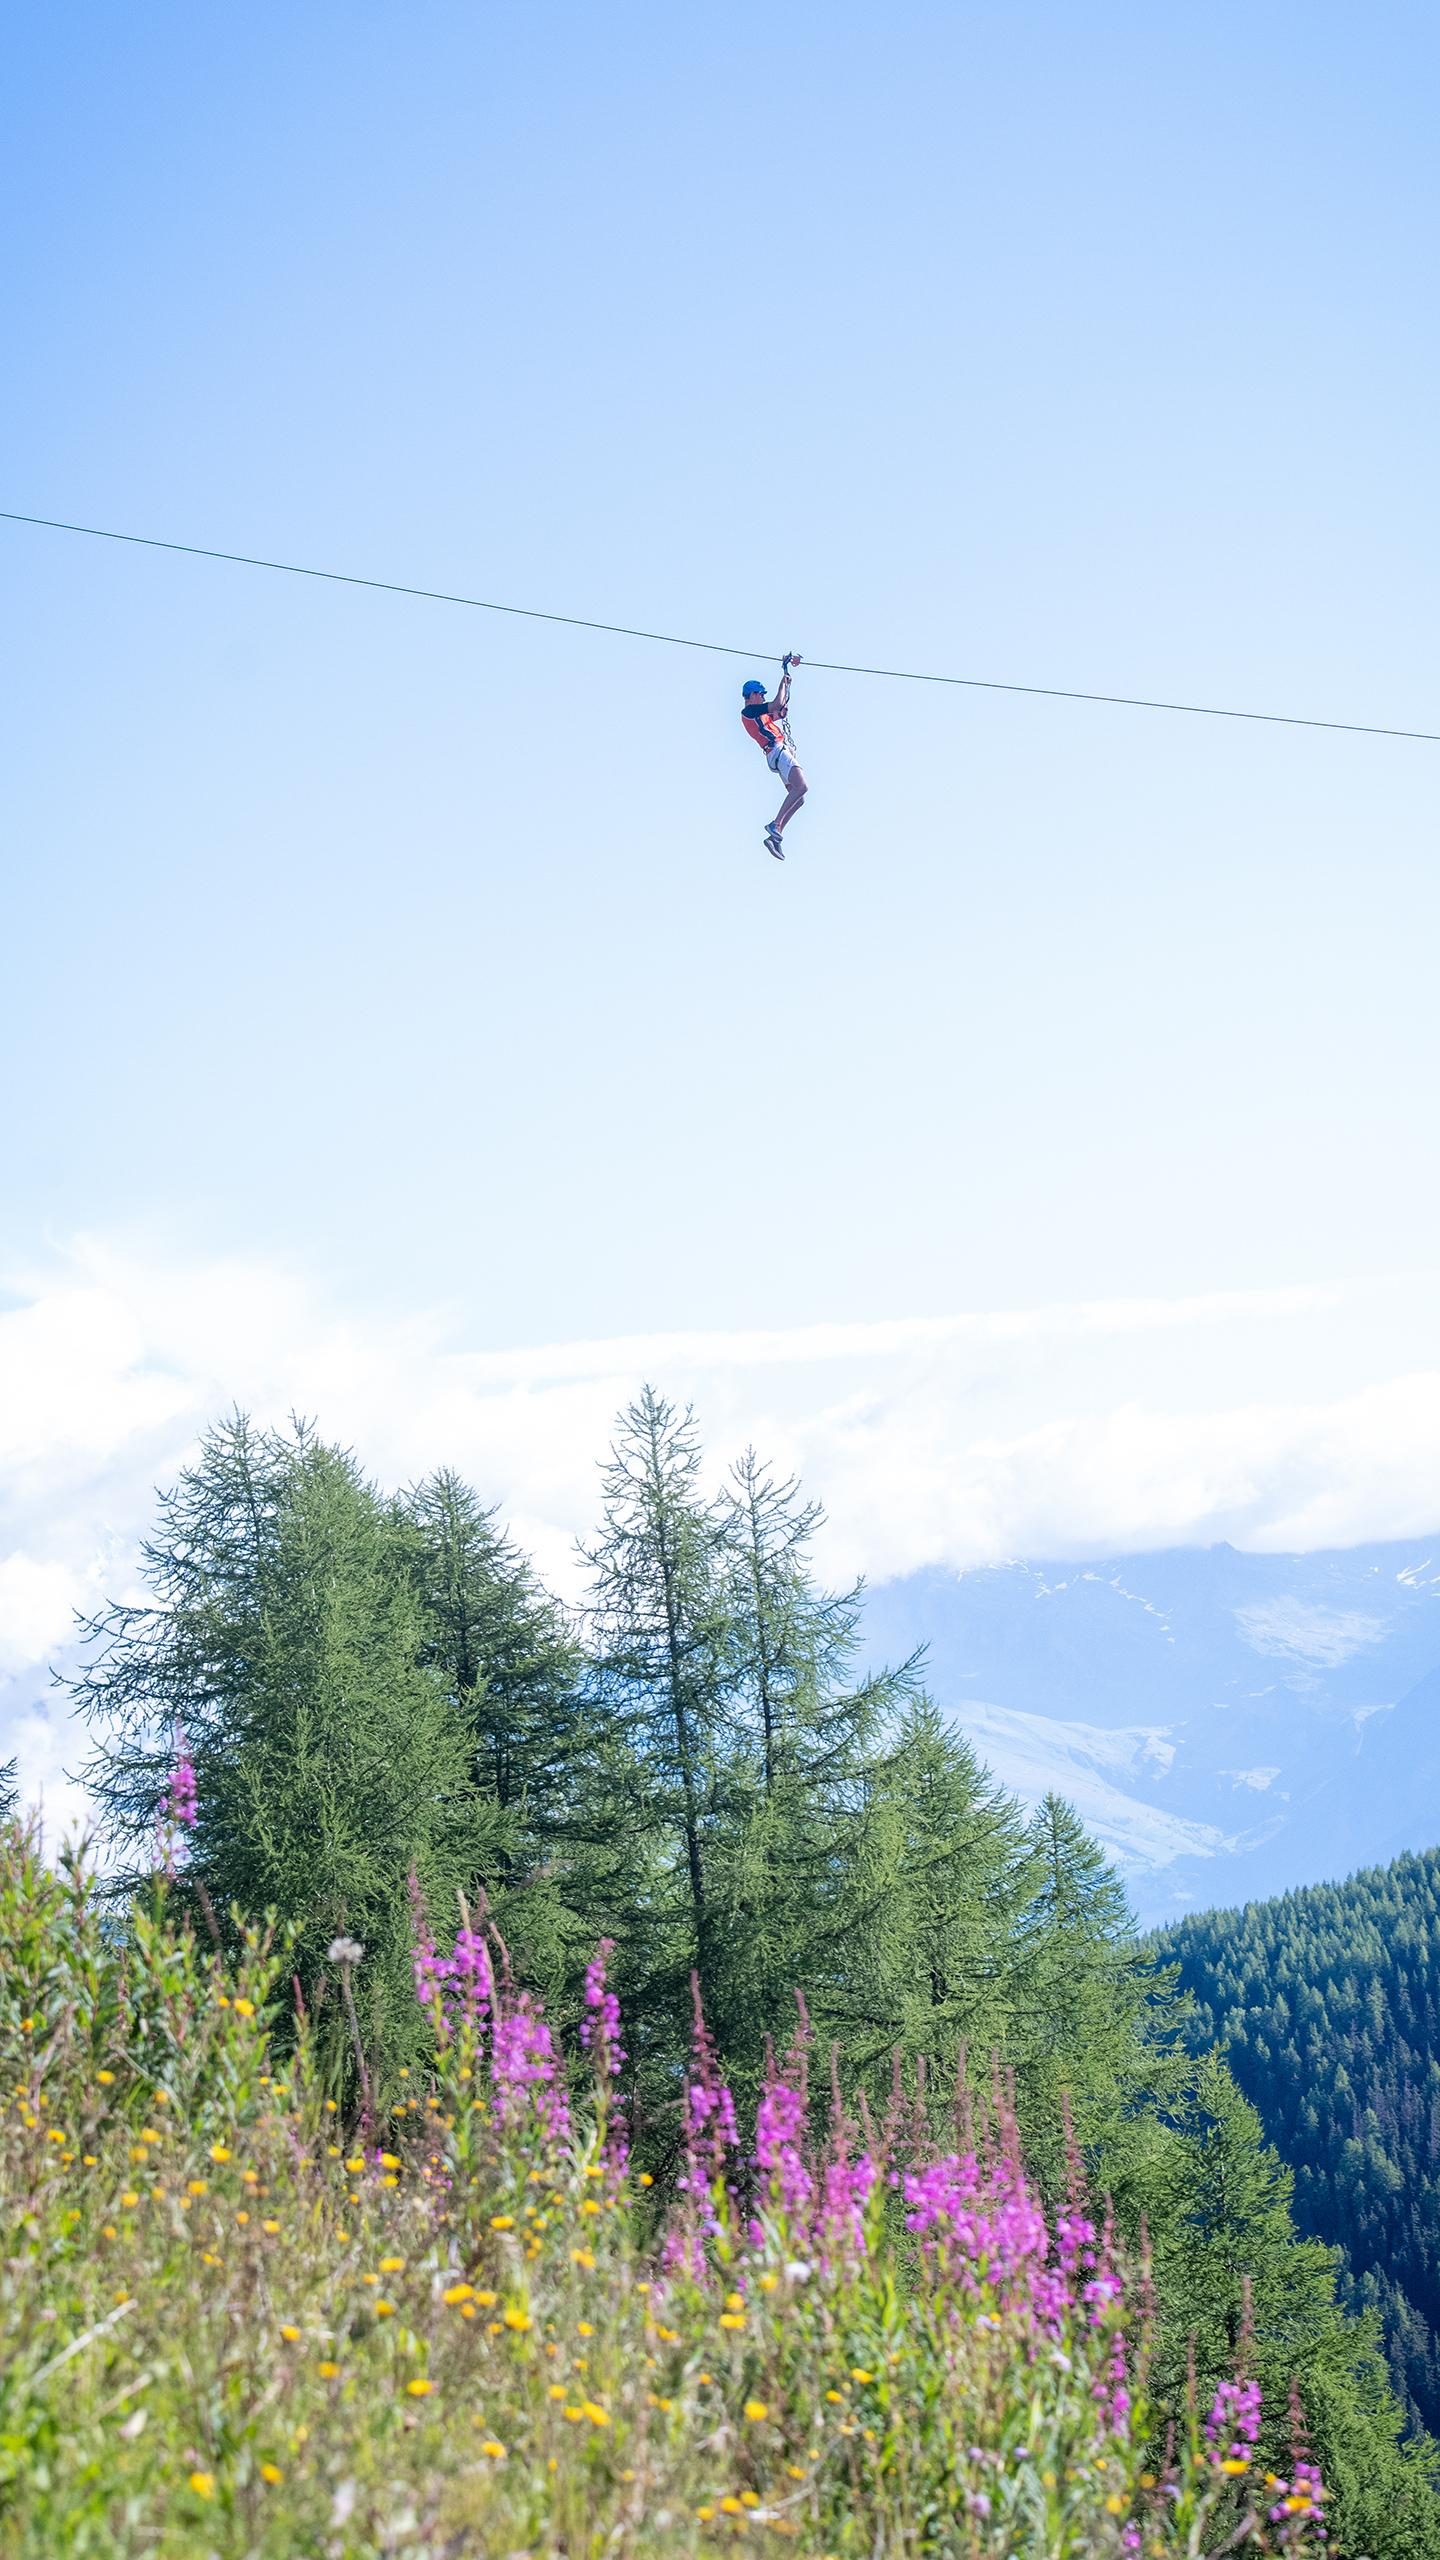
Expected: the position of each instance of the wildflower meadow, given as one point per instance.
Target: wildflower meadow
(247, 2312)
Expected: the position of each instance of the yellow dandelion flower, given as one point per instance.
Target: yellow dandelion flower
(91, 2160)
(388, 2181)
(502, 2221)
(129, 2197)
(584, 2329)
(107, 2231)
(392, 2266)
(757, 2409)
(467, 2310)
(556, 2391)
(384, 2310)
(327, 2372)
(486, 2300)
(271, 2474)
(768, 2283)
(271, 2227)
(861, 2373)
(732, 2320)
(388, 2160)
(583, 2257)
(1114, 2506)
(105, 2078)
(203, 2483)
(219, 2151)
(516, 2317)
(706, 2514)
(575, 2415)
(597, 2416)
(242, 2218)
(748, 2498)
(835, 2396)
(419, 2387)
(244, 2008)
(588, 2205)
(796, 2470)
(355, 2166)
(1234, 2467)
(197, 2187)
(731, 2507)
(458, 2293)
(210, 2258)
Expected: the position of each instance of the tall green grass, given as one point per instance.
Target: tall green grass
(238, 2321)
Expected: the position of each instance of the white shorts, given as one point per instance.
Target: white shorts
(782, 762)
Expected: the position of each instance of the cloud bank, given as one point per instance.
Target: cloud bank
(1297, 1417)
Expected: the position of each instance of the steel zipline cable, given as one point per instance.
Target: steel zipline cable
(717, 648)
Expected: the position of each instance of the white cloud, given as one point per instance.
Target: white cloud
(1064, 1430)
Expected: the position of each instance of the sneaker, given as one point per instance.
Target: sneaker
(773, 843)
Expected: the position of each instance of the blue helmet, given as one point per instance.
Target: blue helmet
(753, 686)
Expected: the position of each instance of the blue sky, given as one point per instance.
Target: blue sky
(428, 966)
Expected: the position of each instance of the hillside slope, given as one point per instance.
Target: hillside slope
(1329, 2004)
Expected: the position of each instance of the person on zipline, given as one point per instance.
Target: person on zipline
(765, 723)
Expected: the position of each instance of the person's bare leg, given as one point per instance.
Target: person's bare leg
(794, 798)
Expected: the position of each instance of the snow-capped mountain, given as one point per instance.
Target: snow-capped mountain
(1227, 1724)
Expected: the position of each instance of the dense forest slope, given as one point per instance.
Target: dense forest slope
(1329, 2004)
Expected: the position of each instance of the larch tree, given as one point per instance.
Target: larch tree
(282, 1653)
(664, 1678)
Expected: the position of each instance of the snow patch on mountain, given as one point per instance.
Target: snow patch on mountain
(1031, 1755)
(1299, 1632)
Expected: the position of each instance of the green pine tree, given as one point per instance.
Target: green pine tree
(929, 1963)
(285, 1642)
(664, 1680)
(803, 1738)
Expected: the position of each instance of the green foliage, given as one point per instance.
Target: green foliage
(227, 2335)
(1327, 2007)
(930, 1965)
(285, 1645)
(373, 1690)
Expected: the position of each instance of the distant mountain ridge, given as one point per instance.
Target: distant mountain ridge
(1227, 1724)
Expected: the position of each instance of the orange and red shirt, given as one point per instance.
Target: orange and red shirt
(765, 727)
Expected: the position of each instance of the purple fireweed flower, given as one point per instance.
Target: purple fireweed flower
(523, 2063)
(844, 2195)
(1299, 2508)
(1232, 2429)
(600, 2026)
(983, 2232)
(182, 1803)
(779, 2132)
(469, 1969)
(1112, 2392)
(712, 2112)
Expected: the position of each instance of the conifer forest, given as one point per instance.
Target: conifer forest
(464, 1854)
